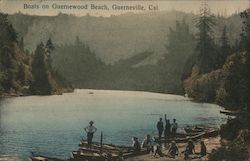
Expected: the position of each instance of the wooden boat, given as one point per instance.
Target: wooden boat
(93, 155)
(43, 158)
(182, 139)
(229, 113)
(209, 131)
(101, 152)
(194, 133)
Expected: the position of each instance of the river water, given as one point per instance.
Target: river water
(53, 125)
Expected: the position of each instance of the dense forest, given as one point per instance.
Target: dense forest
(112, 54)
(219, 73)
(24, 73)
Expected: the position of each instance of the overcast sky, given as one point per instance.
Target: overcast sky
(225, 7)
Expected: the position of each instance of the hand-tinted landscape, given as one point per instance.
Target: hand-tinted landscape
(203, 56)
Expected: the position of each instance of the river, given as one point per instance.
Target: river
(53, 125)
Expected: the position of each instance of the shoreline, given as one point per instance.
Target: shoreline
(211, 144)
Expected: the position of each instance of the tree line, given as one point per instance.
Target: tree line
(219, 73)
(22, 72)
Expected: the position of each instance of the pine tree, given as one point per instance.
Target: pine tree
(78, 41)
(205, 45)
(48, 49)
(245, 35)
(7, 32)
(49, 46)
(41, 83)
(21, 44)
(21, 74)
(225, 48)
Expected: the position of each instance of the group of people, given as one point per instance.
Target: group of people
(169, 130)
(152, 145)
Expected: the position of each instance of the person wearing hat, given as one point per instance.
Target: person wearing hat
(160, 127)
(90, 130)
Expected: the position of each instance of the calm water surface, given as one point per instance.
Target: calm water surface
(53, 125)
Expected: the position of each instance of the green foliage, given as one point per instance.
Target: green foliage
(207, 54)
(181, 45)
(76, 62)
(245, 35)
(225, 49)
(8, 33)
(41, 84)
(235, 85)
(21, 44)
(11, 58)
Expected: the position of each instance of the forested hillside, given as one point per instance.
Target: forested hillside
(116, 37)
(219, 73)
(24, 73)
(128, 52)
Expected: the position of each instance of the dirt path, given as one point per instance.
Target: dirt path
(211, 143)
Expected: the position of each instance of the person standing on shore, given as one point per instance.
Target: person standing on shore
(90, 130)
(174, 127)
(160, 128)
(167, 129)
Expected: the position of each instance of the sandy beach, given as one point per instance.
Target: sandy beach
(211, 143)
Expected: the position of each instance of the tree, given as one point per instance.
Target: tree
(181, 45)
(78, 41)
(48, 50)
(225, 48)
(245, 35)
(49, 46)
(41, 84)
(205, 45)
(21, 44)
(7, 32)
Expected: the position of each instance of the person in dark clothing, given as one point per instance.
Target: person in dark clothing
(189, 150)
(160, 128)
(167, 129)
(174, 127)
(173, 150)
(136, 145)
(90, 130)
(203, 149)
(190, 147)
(148, 143)
(159, 151)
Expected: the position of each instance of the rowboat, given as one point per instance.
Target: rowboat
(101, 152)
(43, 158)
(209, 131)
(229, 113)
(194, 134)
(183, 139)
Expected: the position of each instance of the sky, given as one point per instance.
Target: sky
(223, 7)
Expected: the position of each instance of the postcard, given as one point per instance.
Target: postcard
(114, 80)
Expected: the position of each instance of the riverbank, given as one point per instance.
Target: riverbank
(23, 94)
(211, 144)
